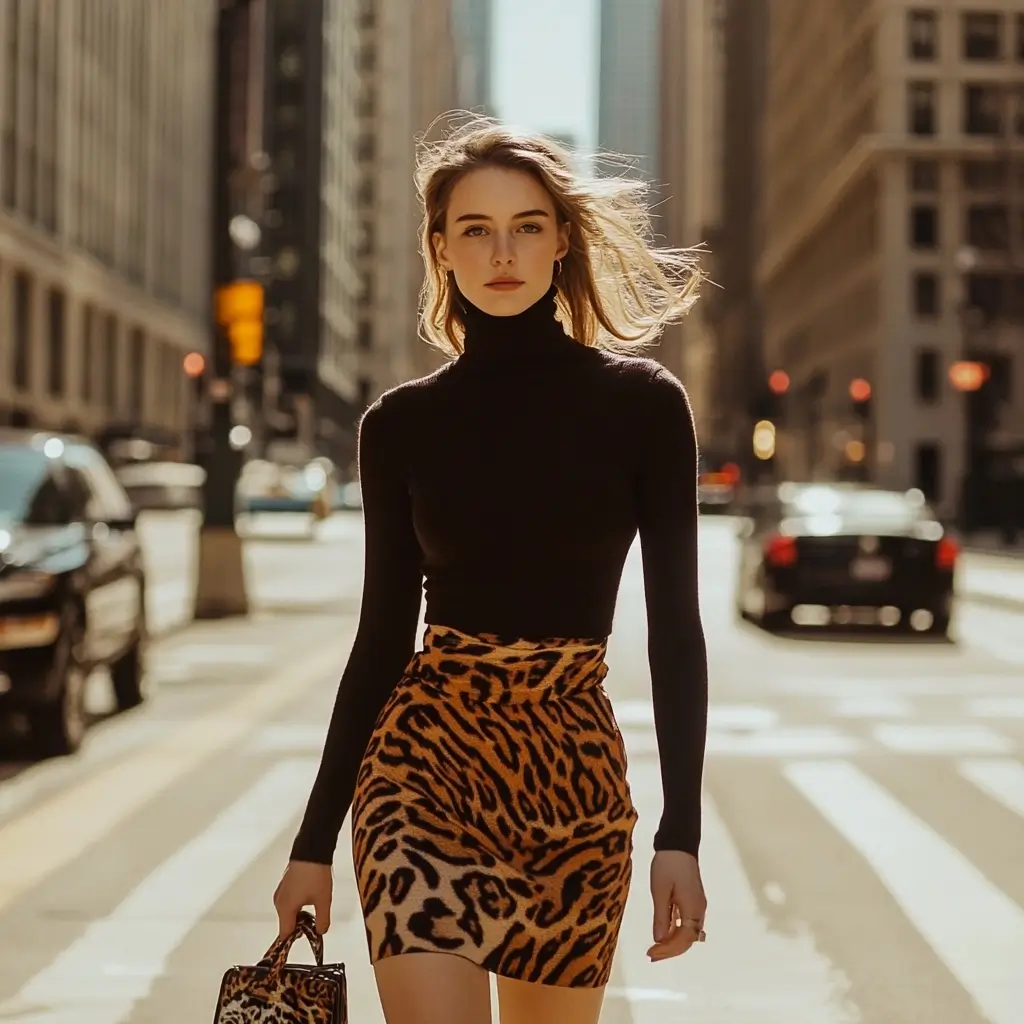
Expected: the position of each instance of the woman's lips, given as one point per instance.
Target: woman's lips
(505, 286)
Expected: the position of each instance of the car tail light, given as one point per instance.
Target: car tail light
(780, 551)
(946, 552)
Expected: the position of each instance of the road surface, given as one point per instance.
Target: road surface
(864, 818)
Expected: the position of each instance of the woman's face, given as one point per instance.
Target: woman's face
(501, 239)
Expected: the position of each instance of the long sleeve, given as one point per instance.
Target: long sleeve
(667, 518)
(385, 637)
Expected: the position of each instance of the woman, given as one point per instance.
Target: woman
(491, 817)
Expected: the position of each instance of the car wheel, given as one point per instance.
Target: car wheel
(59, 726)
(128, 673)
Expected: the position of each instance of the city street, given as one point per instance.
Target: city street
(864, 811)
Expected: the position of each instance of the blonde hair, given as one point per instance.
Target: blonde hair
(614, 286)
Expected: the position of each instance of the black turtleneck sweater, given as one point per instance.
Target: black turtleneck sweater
(511, 483)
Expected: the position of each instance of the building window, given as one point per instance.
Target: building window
(926, 294)
(988, 226)
(137, 370)
(110, 388)
(982, 36)
(982, 174)
(22, 330)
(9, 123)
(927, 376)
(982, 110)
(364, 336)
(923, 175)
(985, 296)
(88, 351)
(921, 107)
(57, 373)
(928, 470)
(924, 227)
(922, 35)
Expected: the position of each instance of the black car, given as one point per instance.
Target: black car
(845, 555)
(72, 584)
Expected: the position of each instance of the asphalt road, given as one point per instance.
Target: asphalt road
(864, 815)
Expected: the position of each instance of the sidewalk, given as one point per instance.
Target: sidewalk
(991, 543)
(284, 567)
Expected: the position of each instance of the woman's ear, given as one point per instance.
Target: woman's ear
(563, 240)
(440, 249)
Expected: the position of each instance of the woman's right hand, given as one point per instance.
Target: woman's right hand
(304, 884)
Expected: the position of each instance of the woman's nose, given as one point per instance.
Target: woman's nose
(503, 250)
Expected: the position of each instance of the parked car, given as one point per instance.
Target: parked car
(72, 584)
(845, 554)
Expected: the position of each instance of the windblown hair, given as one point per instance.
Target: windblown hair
(615, 285)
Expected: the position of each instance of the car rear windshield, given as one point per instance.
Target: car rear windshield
(865, 506)
(22, 472)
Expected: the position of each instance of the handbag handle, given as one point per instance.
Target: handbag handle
(305, 925)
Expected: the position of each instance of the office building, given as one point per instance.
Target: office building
(629, 81)
(351, 85)
(473, 24)
(690, 168)
(893, 231)
(409, 75)
(104, 226)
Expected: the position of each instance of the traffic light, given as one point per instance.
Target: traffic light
(240, 313)
(860, 396)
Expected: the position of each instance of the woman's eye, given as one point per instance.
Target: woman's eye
(531, 228)
(473, 230)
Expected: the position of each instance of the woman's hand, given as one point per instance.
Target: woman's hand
(304, 884)
(679, 903)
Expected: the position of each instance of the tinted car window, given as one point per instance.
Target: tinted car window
(108, 499)
(24, 480)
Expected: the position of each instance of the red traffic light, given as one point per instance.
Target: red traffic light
(968, 375)
(860, 389)
(778, 382)
(194, 364)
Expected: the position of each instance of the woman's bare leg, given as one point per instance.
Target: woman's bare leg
(433, 988)
(524, 1002)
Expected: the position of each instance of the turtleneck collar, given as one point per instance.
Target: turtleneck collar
(513, 339)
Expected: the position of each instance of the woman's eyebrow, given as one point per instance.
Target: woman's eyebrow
(484, 216)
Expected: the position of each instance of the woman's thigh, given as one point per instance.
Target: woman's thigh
(524, 1002)
(433, 988)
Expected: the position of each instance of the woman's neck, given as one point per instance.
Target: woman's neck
(531, 334)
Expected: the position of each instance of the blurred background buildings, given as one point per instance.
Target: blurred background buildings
(855, 168)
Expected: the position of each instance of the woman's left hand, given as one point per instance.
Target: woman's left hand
(679, 903)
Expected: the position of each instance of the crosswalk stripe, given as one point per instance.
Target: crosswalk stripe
(100, 977)
(62, 828)
(746, 970)
(969, 923)
(1001, 778)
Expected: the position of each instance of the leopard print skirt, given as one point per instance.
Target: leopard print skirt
(492, 818)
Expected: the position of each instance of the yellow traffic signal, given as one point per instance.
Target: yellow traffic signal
(246, 338)
(240, 313)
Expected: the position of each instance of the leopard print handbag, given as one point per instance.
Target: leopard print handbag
(277, 992)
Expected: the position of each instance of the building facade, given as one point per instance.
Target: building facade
(733, 304)
(409, 77)
(690, 168)
(104, 225)
(628, 122)
(473, 23)
(350, 85)
(893, 230)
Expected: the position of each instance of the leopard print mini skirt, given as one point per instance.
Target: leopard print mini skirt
(492, 818)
